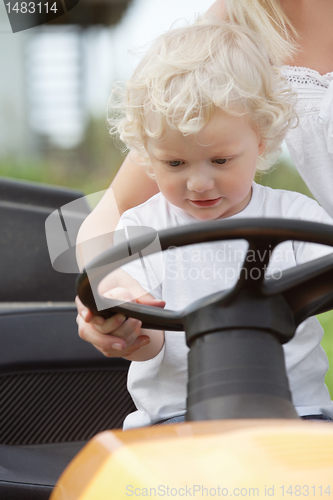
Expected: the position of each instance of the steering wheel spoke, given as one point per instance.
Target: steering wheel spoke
(308, 288)
(255, 263)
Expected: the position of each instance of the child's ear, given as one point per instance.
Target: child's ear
(261, 147)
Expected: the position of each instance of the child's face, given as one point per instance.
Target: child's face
(209, 175)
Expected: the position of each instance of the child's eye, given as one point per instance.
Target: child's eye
(174, 163)
(220, 161)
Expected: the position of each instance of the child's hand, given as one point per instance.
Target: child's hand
(116, 336)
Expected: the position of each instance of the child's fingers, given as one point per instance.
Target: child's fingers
(118, 279)
(114, 321)
(148, 300)
(108, 325)
(86, 314)
(126, 330)
(101, 324)
(101, 341)
(139, 342)
(118, 335)
(112, 345)
(119, 293)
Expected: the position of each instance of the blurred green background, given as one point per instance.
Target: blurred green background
(91, 166)
(284, 176)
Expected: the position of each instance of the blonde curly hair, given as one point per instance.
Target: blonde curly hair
(190, 71)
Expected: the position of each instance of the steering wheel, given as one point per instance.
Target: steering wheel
(236, 362)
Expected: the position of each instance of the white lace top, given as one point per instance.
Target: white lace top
(311, 143)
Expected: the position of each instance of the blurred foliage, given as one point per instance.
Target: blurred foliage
(326, 321)
(284, 176)
(90, 167)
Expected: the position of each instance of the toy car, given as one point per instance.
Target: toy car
(58, 392)
(242, 436)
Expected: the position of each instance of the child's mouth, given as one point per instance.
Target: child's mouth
(205, 203)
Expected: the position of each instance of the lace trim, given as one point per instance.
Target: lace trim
(306, 77)
(308, 106)
(310, 86)
(312, 72)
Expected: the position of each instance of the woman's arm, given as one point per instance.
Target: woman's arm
(130, 188)
(132, 185)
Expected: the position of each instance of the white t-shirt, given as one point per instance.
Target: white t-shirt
(311, 143)
(158, 386)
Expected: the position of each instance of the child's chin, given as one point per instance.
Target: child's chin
(208, 216)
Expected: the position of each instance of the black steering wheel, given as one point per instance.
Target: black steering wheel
(243, 326)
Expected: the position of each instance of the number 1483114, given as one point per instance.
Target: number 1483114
(305, 490)
(31, 7)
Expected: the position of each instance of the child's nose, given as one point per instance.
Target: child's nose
(200, 182)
